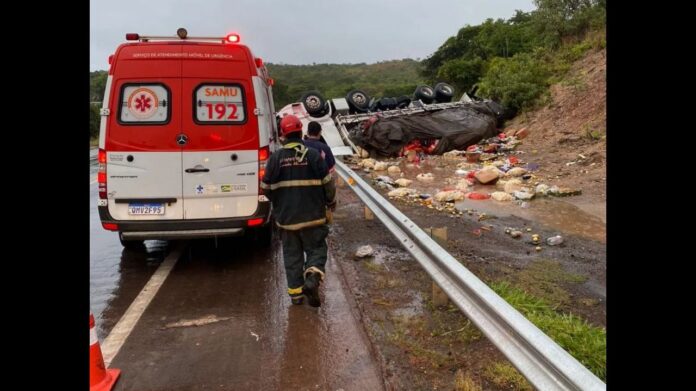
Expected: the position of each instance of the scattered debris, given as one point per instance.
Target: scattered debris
(501, 196)
(363, 153)
(517, 171)
(462, 185)
(524, 194)
(208, 319)
(364, 251)
(403, 182)
(487, 176)
(542, 189)
(427, 177)
(380, 166)
(367, 163)
(554, 240)
(253, 334)
(385, 179)
(401, 192)
(394, 169)
(449, 196)
(512, 186)
(478, 196)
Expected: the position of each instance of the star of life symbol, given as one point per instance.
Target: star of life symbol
(199, 189)
(143, 103)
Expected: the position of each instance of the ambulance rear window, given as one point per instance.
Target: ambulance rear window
(219, 104)
(144, 104)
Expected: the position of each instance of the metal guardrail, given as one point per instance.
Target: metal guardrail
(543, 362)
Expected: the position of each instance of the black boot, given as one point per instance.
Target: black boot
(311, 288)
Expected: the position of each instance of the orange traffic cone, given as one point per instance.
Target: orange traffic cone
(100, 378)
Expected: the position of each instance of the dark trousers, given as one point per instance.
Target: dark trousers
(310, 241)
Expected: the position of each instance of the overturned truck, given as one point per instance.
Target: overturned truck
(390, 126)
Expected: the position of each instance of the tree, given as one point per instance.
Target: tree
(94, 121)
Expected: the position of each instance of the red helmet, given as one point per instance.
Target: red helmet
(289, 124)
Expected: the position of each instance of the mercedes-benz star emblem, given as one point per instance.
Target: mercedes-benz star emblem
(181, 139)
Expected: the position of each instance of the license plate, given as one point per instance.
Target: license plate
(145, 209)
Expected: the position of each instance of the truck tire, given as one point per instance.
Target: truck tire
(314, 103)
(358, 101)
(386, 104)
(372, 106)
(402, 102)
(444, 92)
(131, 244)
(425, 93)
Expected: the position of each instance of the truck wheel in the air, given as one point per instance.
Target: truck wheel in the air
(358, 101)
(314, 103)
(402, 102)
(444, 92)
(425, 93)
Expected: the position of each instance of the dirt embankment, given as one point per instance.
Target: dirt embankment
(568, 136)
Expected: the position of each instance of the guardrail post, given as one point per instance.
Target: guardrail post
(440, 235)
(368, 214)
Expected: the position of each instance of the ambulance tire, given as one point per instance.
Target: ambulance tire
(263, 236)
(131, 244)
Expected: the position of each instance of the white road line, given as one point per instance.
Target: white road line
(118, 335)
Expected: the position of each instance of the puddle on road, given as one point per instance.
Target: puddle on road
(556, 214)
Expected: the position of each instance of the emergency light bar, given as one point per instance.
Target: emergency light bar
(182, 34)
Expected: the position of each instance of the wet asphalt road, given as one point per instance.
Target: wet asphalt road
(256, 339)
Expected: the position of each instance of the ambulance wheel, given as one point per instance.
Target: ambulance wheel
(264, 235)
(131, 244)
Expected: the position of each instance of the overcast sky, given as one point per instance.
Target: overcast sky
(299, 31)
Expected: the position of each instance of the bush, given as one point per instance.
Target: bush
(462, 73)
(516, 82)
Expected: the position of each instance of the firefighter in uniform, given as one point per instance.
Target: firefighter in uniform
(302, 192)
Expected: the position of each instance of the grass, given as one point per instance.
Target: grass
(543, 278)
(372, 267)
(506, 376)
(587, 343)
(463, 382)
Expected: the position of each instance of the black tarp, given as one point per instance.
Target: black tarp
(455, 128)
